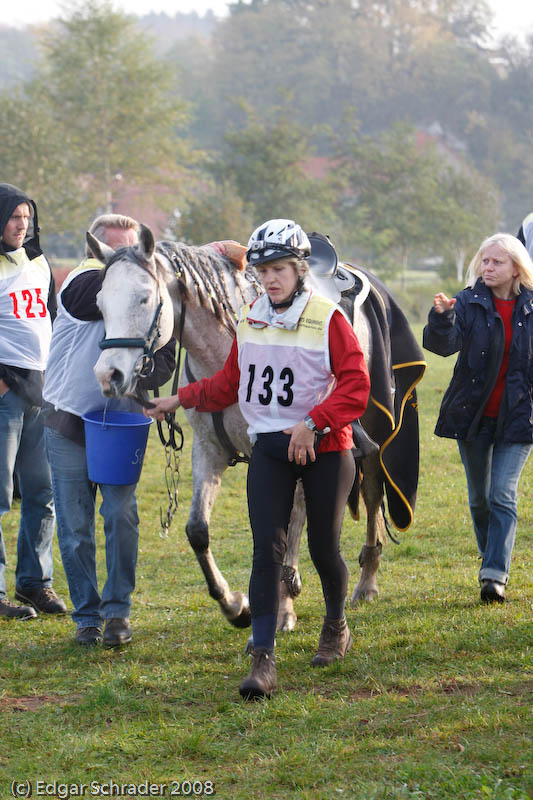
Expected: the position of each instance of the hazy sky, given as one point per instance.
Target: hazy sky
(511, 16)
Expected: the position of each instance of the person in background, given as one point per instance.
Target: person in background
(525, 234)
(70, 390)
(27, 307)
(298, 373)
(487, 407)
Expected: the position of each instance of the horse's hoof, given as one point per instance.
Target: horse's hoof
(287, 622)
(236, 609)
(243, 620)
(291, 578)
(363, 595)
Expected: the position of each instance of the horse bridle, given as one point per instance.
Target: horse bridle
(145, 363)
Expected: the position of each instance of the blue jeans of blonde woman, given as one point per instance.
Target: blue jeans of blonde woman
(22, 453)
(75, 499)
(493, 470)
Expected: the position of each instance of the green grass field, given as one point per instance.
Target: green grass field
(432, 701)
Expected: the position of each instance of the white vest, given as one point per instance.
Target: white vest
(25, 325)
(284, 373)
(70, 383)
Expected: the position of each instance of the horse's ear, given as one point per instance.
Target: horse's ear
(99, 250)
(146, 242)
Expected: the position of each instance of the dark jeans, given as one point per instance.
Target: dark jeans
(271, 484)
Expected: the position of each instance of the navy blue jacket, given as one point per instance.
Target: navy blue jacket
(475, 330)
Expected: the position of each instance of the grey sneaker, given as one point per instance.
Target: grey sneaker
(11, 610)
(262, 679)
(335, 641)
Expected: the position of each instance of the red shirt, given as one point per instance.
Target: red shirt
(347, 401)
(505, 310)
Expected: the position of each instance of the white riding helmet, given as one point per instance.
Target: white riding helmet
(277, 238)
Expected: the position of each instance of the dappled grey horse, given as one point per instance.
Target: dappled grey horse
(159, 287)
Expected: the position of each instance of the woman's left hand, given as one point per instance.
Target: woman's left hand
(302, 443)
(163, 405)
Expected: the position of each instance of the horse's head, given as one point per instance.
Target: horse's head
(137, 311)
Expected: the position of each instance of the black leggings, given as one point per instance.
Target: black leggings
(271, 483)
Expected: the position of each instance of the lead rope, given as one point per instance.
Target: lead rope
(172, 447)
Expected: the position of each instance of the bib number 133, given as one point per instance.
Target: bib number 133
(265, 395)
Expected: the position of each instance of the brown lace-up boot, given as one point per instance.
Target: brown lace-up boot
(335, 641)
(262, 678)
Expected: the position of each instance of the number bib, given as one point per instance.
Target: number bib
(284, 373)
(25, 325)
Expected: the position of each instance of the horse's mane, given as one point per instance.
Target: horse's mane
(209, 278)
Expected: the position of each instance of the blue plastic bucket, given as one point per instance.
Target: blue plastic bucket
(115, 442)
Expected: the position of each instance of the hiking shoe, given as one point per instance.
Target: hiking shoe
(13, 611)
(262, 678)
(43, 599)
(492, 592)
(117, 631)
(88, 635)
(335, 641)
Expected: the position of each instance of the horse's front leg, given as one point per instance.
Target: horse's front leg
(207, 469)
(370, 555)
(291, 584)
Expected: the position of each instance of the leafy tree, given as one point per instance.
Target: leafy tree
(103, 107)
(33, 157)
(216, 213)
(404, 201)
(469, 212)
(268, 163)
(500, 138)
(389, 199)
(113, 100)
(13, 68)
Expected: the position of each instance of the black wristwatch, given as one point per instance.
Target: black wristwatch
(310, 424)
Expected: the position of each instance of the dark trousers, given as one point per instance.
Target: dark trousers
(271, 483)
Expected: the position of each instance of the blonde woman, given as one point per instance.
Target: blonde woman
(488, 404)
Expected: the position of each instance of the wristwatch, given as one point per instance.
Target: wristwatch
(309, 423)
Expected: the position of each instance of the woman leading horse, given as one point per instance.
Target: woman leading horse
(298, 373)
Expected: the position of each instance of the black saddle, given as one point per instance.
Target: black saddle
(330, 278)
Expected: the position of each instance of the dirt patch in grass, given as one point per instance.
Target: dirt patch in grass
(452, 687)
(444, 687)
(35, 702)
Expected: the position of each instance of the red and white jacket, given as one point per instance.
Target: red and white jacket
(280, 376)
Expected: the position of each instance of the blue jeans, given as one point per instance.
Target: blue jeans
(75, 500)
(22, 452)
(493, 469)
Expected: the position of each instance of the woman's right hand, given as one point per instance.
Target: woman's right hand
(442, 303)
(162, 406)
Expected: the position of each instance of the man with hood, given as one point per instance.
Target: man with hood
(27, 307)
